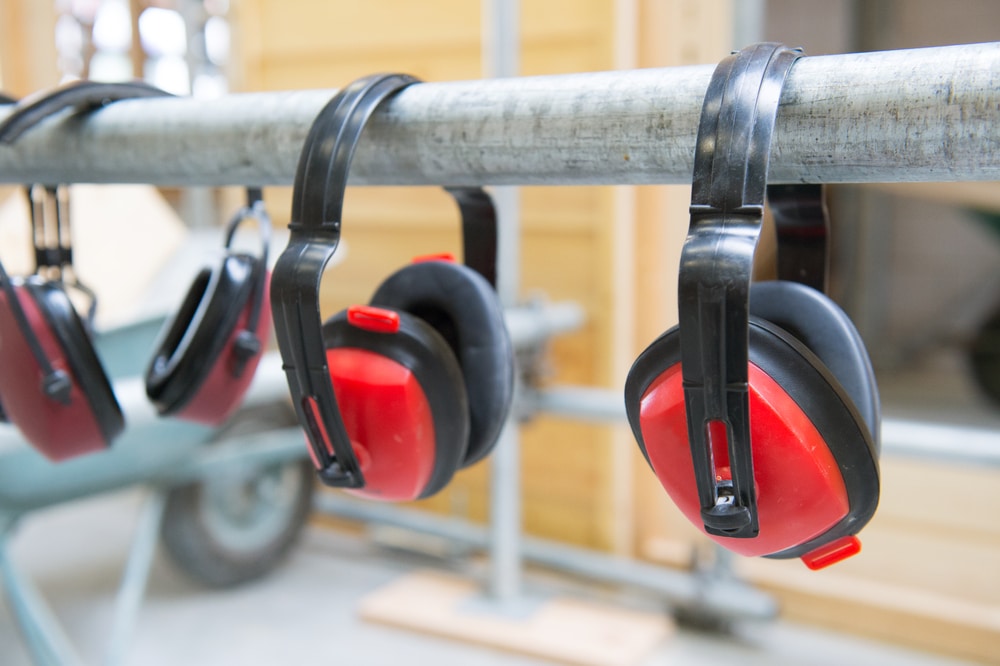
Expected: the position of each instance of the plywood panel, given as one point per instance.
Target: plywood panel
(27, 47)
(567, 631)
(901, 613)
(933, 531)
(309, 28)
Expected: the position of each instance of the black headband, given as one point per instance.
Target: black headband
(247, 344)
(80, 96)
(317, 210)
(727, 200)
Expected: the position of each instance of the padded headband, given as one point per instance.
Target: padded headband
(727, 198)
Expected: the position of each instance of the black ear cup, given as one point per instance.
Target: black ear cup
(86, 416)
(196, 346)
(463, 308)
(825, 329)
(407, 451)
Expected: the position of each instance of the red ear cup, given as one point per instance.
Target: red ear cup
(402, 399)
(463, 308)
(814, 455)
(91, 418)
(205, 358)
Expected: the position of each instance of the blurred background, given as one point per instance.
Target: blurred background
(914, 265)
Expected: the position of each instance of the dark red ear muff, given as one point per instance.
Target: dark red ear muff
(397, 395)
(45, 349)
(49, 345)
(759, 412)
(208, 352)
(44, 344)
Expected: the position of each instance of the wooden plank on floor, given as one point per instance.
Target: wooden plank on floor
(570, 631)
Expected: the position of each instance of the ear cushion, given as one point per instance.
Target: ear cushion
(93, 418)
(193, 342)
(384, 415)
(822, 326)
(462, 306)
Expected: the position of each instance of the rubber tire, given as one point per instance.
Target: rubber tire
(194, 545)
(984, 358)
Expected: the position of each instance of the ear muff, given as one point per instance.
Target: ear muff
(814, 457)
(43, 342)
(463, 308)
(402, 399)
(761, 444)
(204, 362)
(208, 352)
(448, 301)
(85, 417)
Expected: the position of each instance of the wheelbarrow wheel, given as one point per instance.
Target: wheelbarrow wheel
(229, 530)
(984, 358)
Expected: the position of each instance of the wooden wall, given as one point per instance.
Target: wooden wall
(27, 46)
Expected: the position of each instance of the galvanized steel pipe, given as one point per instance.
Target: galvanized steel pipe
(910, 115)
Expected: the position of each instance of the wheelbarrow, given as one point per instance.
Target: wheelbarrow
(227, 502)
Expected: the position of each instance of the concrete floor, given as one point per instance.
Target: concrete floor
(304, 612)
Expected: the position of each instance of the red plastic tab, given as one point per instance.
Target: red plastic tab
(372, 319)
(833, 552)
(441, 256)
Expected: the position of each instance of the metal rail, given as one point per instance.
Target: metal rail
(725, 598)
(910, 115)
(976, 445)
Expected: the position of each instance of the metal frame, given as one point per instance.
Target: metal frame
(914, 115)
(501, 56)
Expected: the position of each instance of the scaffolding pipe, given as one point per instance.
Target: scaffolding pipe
(945, 442)
(909, 115)
(723, 598)
(501, 57)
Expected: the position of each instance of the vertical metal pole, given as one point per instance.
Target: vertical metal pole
(42, 633)
(501, 46)
(748, 22)
(197, 204)
(136, 576)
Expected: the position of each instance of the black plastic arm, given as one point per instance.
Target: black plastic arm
(80, 96)
(727, 200)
